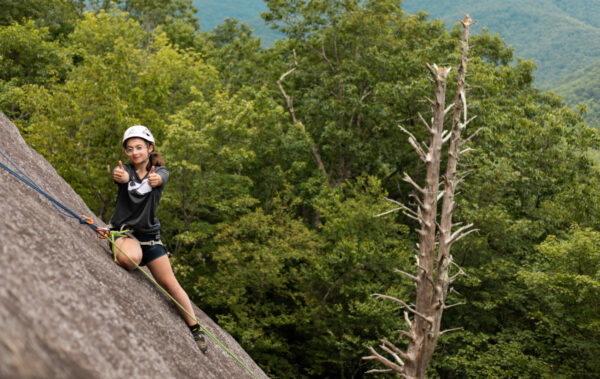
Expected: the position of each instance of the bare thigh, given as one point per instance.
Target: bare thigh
(132, 248)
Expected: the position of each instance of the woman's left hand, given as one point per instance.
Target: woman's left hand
(154, 179)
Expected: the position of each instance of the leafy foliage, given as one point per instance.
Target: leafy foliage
(549, 31)
(579, 90)
(285, 254)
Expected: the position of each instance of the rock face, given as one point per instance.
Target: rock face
(68, 311)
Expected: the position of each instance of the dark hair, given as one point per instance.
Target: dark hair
(155, 160)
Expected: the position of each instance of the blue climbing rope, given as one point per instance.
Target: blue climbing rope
(61, 208)
(105, 233)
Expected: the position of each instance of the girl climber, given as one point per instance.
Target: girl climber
(141, 183)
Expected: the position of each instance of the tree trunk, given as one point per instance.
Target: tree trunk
(433, 279)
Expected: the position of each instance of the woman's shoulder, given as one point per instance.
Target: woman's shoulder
(161, 168)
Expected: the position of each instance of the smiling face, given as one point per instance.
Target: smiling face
(138, 150)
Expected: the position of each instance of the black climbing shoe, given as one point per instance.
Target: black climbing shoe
(200, 338)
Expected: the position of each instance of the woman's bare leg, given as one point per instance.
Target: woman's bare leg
(163, 273)
(132, 248)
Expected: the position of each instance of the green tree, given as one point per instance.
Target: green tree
(120, 81)
(530, 168)
(28, 56)
(58, 16)
(360, 73)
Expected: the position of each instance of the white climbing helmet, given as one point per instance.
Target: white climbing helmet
(138, 131)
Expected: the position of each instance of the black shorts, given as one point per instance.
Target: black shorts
(149, 252)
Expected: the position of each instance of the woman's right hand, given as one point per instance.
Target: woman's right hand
(120, 175)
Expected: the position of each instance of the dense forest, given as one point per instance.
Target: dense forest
(561, 36)
(581, 90)
(271, 222)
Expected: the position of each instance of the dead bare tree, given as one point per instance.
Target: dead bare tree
(290, 107)
(435, 239)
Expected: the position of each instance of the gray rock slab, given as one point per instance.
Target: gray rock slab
(68, 311)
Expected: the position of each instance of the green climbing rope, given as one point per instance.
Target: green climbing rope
(111, 239)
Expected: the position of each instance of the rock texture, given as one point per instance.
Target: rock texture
(68, 311)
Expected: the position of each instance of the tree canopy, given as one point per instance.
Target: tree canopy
(271, 220)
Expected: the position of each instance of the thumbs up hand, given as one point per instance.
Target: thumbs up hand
(120, 175)
(154, 179)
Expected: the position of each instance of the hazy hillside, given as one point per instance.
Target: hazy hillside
(213, 12)
(583, 86)
(562, 36)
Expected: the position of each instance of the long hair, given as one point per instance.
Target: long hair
(155, 159)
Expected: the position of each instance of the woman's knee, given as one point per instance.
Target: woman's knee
(129, 253)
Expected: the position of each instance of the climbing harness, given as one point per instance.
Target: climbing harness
(110, 235)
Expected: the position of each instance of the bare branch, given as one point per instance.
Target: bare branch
(408, 321)
(363, 97)
(398, 360)
(453, 305)
(288, 99)
(440, 195)
(450, 330)
(418, 201)
(406, 131)
(425, 122)
(290, 107)
(446, 136)
(406, 334)
(408, 179)
(322, 53)
(396, 350)
(461, 236)
(401, 206)
(466, 123)
(387, 212)
(432, 70)
(386, 362)
(377, 371)
(317, 158)
(406, 210)
(453, 278)
(438, 73)
(424, 157)
(412, 277)
(409, 215)
(471, 136)
(457, 233)
(448, 109)
(406, 306)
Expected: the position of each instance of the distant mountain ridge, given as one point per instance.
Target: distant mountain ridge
(562, 36)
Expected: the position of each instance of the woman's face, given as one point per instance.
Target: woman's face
(137, 150)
